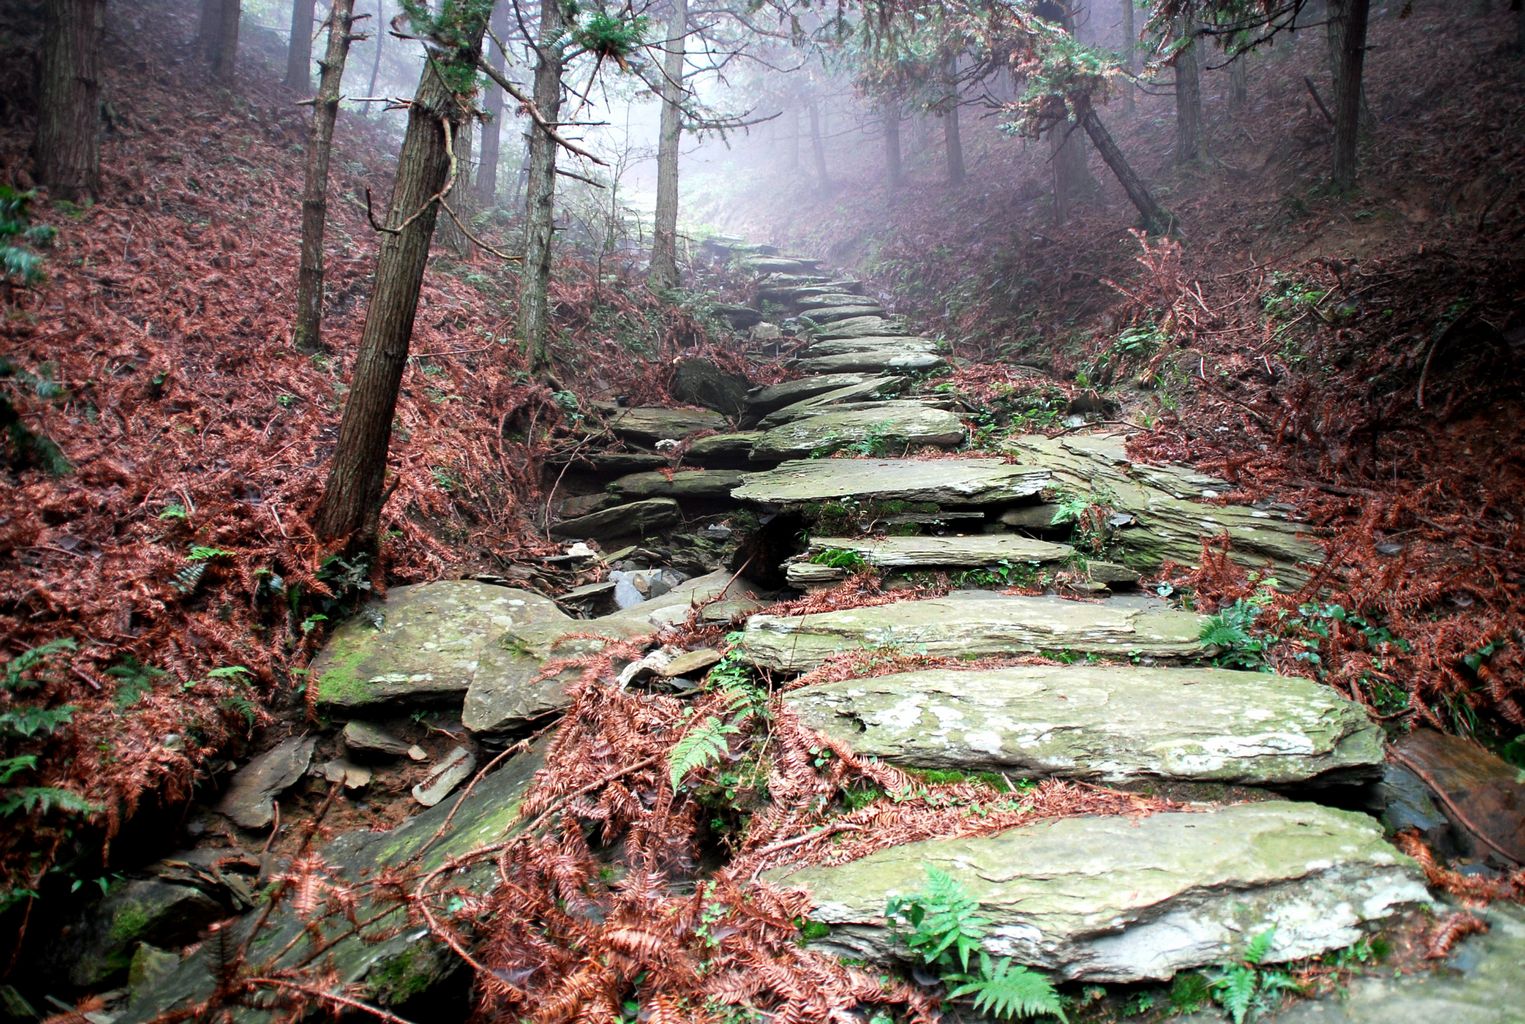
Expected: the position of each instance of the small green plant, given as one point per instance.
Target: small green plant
(1230, 631)
(22, 721)
(708, 742)
(1248, 986)
(19, 264)
(839, 558)
(942, 927)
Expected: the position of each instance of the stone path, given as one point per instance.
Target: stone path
(1133, 699)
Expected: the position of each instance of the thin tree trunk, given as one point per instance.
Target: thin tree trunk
(1188, 97)
(664, 233)
(794, 139)
(535, 282)
(1130, 48)
(299, 50)
(1156, 220)
(894, 169)
(817, 146)
(68, 143)
(1347, 27)
(492, 130)
(352, 497)
(209, 29)
(450, 233)
(1238, 84)
(1072, 178)
(381, 33)
(308, 336)
(953, 142)
(224, 56)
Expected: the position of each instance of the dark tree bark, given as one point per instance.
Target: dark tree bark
(217, 36)
(68, 143)
(1188, 97)
(1155, 219)
(1238, 84)
(1347, 28)
(1072, 178)
(299, 50)
(308, 335)
(1130, 48)
(817, 146)
(953, 142)
(492, 130)
(352, 497)
(893, 166)
(663, 274)
(540, 189)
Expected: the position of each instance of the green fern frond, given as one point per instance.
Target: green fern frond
(702, 745)
(1259, 947)
(45, 799)
(1009, 992)
(1233, 988)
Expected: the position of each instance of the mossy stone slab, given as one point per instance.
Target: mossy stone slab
(687, 483)
(951, 483)
(895, 426)
(953, 551)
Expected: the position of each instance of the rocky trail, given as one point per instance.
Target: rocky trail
(1006, 639)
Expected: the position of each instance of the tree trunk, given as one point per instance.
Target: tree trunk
(1188, 97)
(817, 146)
(352, 497)
(308, 336)
(68, 143)
(1130, 48)
(894, 169)
(381, 33)
(492, 130)
(1156, 220)
(209, 29)
(664, 233)
(952, 141)
(1238, 84)
(535, 280)
(299, 51)
(1072, 178)
(1519, 28)
(1347, 27)
(794, 140)
(222, 44)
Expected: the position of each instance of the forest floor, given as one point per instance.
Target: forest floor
(1357, 362)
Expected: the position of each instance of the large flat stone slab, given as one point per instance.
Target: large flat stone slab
(638, 518)
(688, 483)
(955, 551)
(860, 326)
(872, 343)
(831, 314)
(852, 394)
(762, 401)
(950, 482)
(779, 264)
(1110, 723)
(975, 624)
(879, 360)
(895, 426)
(649, 424)
(422, 643)
(1113, 899)
(1171, 507)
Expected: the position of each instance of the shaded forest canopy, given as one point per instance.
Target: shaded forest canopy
(307, 301)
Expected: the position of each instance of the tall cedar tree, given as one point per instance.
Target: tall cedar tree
(299, 50)
(217, 38)
(664, 235)
(953, 143)
(494, 102)
(539, 223)
(308, 333)
(1188, 88)
(351, 504)
(68, 145)
(1347, 34)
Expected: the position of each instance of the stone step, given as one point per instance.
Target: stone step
(688, 483)
(1114, 899)
(724, 450)
(638, 518)
(649, 424)
(870, 392)
(976, 624)
(870, 403)
(872, 343)
(831, 314)
(955, 483)
(778, 264)
(861, 326)
(888, 426)
(1106, 723)
(762, 401)
(880, 361)
(786, 293)
(827, 300)
(945, 552)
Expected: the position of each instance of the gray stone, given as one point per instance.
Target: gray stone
(347, 773)
(810, 301)
(722, 449)
(638, 518)
(421, 643)
(100, 948)
(884, 360)
(698, 381)
(920, 551)
(977, 624)
(739, 317)
(649, 424)
(873, 343)
(890, 426)
(860, 326)
(585, 505)
(250, 800)
(617, 463)
(1169, 517)
(453, 770)
(690, 663)
(1113, 899)
(831, 314)
(392, 961)
(515, 686)
(686, 483)
(829, 400)
(1480, 983)
(778, 264)
(1038, 517)
(776, 396)
(1109, 723)
(150, 965)
(362, 739)
(951, 482)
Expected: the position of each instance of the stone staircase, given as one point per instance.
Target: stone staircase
(1105, 899)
